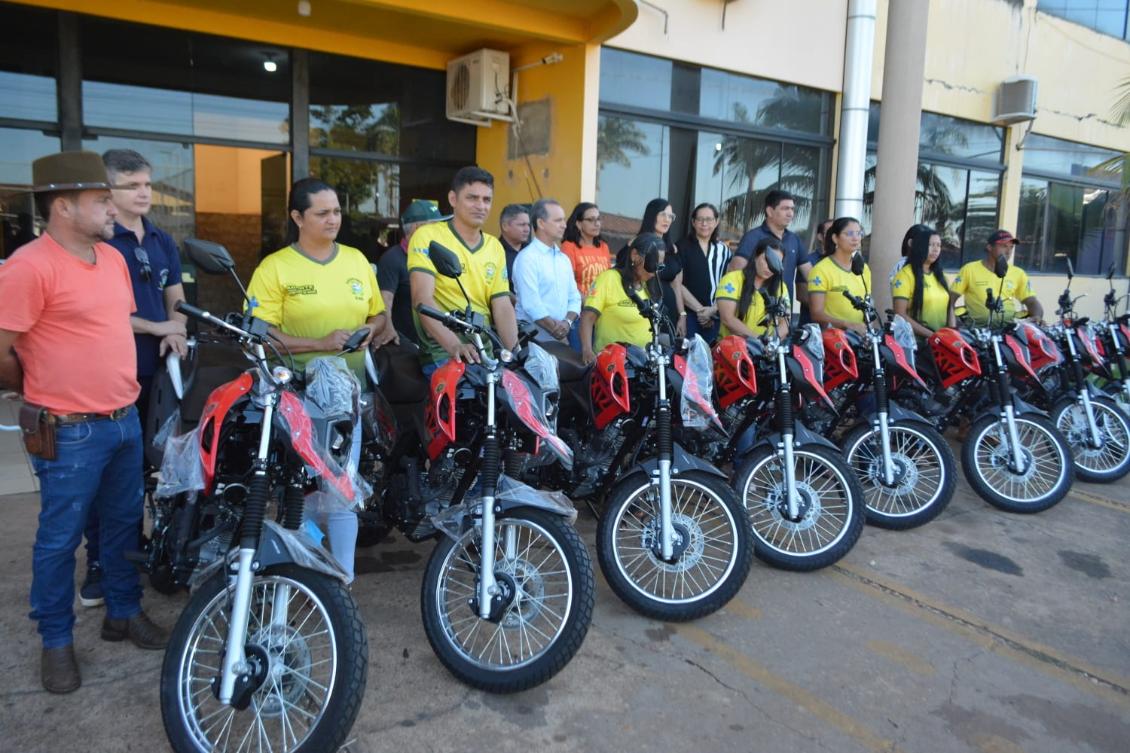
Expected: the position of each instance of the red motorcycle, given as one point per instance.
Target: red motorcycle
(271, 643)
(508, 592)
(1114, 340)
(803, 501)
(672, 540)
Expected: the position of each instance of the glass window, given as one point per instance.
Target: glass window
(156, 80)
(28, 62)
(941, 134)
(638, 80)
(744, 99)
(982, 210)
(18, 149)
(1105, 16)
(1070, 159)
(1061, 221)
(632, 159)
(369, 196)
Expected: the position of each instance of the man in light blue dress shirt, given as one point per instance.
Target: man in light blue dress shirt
(543, 277)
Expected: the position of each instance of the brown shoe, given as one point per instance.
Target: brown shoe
(59, 670)
(139, 629)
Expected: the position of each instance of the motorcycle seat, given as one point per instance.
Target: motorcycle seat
(402, 379)
(570, 368)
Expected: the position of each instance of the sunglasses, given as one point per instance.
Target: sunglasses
(142, 257)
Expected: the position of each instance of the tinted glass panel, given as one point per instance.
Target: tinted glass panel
(743, 99)
(981, 213)
(942, 134)
(1060, 221)
(632, 159)
(1068, 158)
(18, 149)
(1106, 16)
(28, 63)
(638, 80)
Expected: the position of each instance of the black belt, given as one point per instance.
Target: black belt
(81, 418)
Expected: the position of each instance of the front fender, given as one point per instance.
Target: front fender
(278, 546)
(802, 436)
(681, 461)
(454, 521)
(899, 413)
(1021, 407)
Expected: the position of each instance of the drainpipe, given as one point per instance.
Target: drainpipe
(854, 104)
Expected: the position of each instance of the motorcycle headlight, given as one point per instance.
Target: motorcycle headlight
(282, 374)
(505, 356)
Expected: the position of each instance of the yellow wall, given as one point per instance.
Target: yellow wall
(228, 180)
(568, 171)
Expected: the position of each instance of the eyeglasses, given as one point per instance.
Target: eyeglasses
(704, 220)
(142, 257)
(591, 219)
(668, 215)
(853, 233)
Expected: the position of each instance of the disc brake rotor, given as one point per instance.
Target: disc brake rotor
(529, 588)
(809, 508)
(688, 545)
(289, 667)
(906, 473)
(1001, 459)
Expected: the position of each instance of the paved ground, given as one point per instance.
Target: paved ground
(980, 632)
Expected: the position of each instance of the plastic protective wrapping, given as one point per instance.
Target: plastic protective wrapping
(279, 545)
(696, 404)
(331, 388)
(182, 470)
(542, 367)
(167, 431)
(903, 334)
(814, 342)
(517, 395)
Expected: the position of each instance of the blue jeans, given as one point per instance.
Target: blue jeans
(98, 466)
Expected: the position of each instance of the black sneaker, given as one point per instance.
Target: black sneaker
(90, 594)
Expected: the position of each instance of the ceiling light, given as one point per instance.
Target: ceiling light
(304, 8)
(270, 66)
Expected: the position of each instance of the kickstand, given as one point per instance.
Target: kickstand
(592, 508)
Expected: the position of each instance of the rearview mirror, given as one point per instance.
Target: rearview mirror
(773, 260)
(1001, 268)
(1110, 272)
(208, 256)
(857, 264)
(444, 260)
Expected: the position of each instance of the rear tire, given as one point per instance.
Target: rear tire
(985, 462)
(832, 507)
(1107, 463)
(714, 560)
(926, 474)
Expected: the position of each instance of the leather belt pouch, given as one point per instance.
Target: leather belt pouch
(38, 429)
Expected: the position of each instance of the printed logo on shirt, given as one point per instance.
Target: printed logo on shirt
(163, 279)
(357, 288)
(898, 283)
(489, 270)
(730, 288)
(301, 289)
(816, 280)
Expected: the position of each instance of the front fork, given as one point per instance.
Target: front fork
(882, 422)
(1084, 393)
(788, 437)
(235, 660)
(1008, 412)
(488, 585)
(663, 477)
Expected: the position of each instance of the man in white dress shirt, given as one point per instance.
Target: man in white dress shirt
(543, 276)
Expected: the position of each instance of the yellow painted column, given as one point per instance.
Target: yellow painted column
(1009, 212)
(564, 166)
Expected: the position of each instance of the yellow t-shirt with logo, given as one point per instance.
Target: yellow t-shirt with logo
(484, 277)
(730, 289)
(304, 297)
(974, 281)
(618, 318)
(935, 298)
(830, 278)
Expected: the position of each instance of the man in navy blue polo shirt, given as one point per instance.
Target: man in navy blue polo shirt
(154, 269)
(780, 206)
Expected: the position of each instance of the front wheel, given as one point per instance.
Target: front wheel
(308, 656)
(712, 553)
(924, 473)
(1109, 461)
(987, 460)
(830, 507)
(546, 580)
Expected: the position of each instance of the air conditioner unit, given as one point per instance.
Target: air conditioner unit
(1016, 101)
(478, 87)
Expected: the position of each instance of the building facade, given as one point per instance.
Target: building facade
(618, 101)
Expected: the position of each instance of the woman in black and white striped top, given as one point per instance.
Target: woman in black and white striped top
(705, 259)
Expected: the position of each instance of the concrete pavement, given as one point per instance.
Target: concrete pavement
(981, 631)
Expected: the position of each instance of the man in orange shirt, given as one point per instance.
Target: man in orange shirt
(67, 302)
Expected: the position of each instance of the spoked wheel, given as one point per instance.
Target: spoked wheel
(712, 548)
(1109, 461)
(987, 460)
(541, 615)
(308, 657)
(924, 474)
(830, 515)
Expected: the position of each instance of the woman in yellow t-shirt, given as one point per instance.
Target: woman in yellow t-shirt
(315, 293)
(609, 312)
(741, 294)
(919, 290)
(832, 276)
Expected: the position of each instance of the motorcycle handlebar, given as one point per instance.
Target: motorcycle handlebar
(446, 319)
(856, 301)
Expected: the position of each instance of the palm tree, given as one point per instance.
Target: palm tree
(616, 140)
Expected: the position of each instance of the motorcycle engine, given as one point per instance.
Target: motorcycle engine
(594, 456)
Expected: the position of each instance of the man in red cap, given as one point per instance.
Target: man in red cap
(977, 278)
(67, 344)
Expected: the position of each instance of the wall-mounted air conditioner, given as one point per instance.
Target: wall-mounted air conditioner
(1015, 101)
(478, 88)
